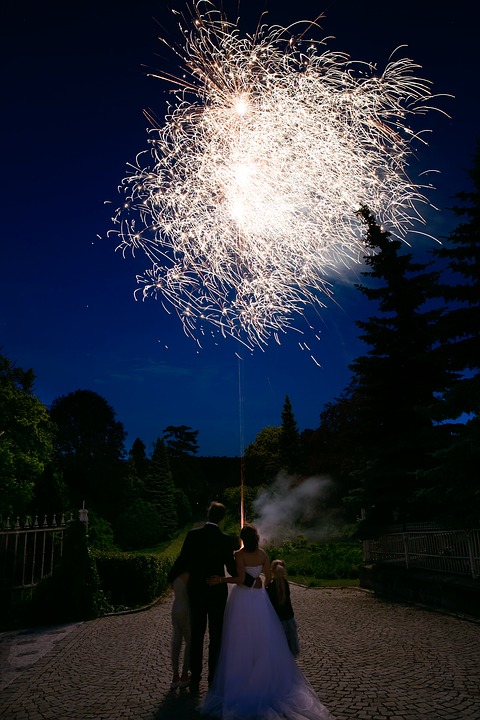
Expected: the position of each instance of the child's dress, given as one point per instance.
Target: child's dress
(286, 615)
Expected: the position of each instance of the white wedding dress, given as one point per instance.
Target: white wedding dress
(257, 677)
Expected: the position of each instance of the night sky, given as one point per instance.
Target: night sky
(74, 86)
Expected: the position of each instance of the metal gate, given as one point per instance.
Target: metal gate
(29, 550)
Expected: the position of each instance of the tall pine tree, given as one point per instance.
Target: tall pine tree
(289, 442)
(455, 475)
(137, 457)
(395, 383)
(160, 490)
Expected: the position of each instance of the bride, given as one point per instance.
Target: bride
(257, 677)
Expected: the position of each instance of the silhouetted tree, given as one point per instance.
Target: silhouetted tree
(90, 450)
(134, 473)
(182, 446)
(262, 457)
(394, 385)
(180, 440)
(26, 438)
(138, 458)
(334, 450)
(453, 479)
(160, 490)
(289, 441)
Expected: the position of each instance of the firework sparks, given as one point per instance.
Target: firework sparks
(244, 203)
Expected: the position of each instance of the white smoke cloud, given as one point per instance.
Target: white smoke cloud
(285, 507)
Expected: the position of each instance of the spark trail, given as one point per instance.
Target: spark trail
(244, 203)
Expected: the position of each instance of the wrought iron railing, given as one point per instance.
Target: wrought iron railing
(450, 551)
(29, 549)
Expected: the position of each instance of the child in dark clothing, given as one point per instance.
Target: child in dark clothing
(279, 594)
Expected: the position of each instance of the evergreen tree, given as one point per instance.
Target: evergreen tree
(135, 472)
(160, 490)
(182, 446)
(455, 475)
(289, 442)
(394, 385)
(138, 458)
(181, 440)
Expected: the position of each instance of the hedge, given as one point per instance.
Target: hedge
(131, 580)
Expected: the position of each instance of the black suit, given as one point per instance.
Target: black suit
(205, 552)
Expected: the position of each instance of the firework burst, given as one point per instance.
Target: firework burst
(245, 201)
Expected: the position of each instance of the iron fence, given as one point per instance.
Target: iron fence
(450, 551)
(29, 550)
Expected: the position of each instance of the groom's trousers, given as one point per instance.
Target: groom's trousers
(206, 608)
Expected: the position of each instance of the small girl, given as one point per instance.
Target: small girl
(279, 593)
(178, 577)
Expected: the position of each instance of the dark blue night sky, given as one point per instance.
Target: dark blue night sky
(74, 87)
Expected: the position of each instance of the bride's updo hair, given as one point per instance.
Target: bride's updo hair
(250, 538)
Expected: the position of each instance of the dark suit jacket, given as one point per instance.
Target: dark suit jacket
(206, 551)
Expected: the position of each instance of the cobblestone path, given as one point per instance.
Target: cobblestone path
(367, 658)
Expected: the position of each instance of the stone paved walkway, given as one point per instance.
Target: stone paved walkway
(366, 658)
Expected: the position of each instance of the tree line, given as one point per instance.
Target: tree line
(401, 443)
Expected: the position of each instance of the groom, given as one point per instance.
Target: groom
(205, 552)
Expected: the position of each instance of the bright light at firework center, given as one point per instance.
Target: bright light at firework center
(242, 105)
(243, 174)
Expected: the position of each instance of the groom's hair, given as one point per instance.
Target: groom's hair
(216, 512)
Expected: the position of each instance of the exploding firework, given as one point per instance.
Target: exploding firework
(245, 201)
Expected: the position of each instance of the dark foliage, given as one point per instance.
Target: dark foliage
(160, 490)
(180, 440)
(73, 590)
(139, 526)
(289, 441)
(26, 438)
(452, 484)
(132, 580)
(395, 385)
(89, 450)
(262, 457)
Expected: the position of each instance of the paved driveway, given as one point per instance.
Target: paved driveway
(366, 658)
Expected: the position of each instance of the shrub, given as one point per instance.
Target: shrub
(319, 560)
(72, 592)
(138, 527)
(182, 506)
(100, 533)
(132, 580)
